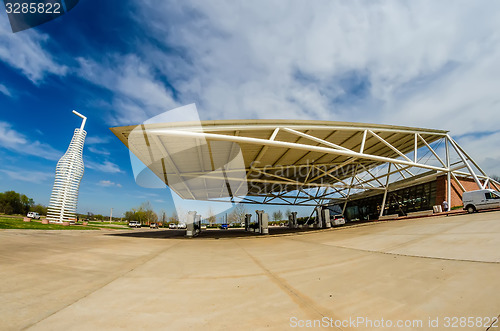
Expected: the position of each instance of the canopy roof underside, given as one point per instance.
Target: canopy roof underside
(213, 160)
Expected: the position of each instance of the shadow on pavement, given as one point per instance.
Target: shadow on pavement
(213, 233)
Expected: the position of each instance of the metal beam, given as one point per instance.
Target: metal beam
(382, 207)
(318, 140)
(385, 142)
(448, 174)
(320, 149)
(432, 150)
(480, 186)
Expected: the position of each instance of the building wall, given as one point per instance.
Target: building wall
(403, 201)
(410, 199)
(456, 192)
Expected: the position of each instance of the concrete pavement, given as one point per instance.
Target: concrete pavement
(408, 270)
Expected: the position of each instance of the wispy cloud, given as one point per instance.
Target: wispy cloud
(25, 51)
(138, 95)
(5, 90)
(106, 166)
(28, 175)
(98, 151)
(417, 63)
(17, 142)
(479, 147)
(96, 140)
(108, 183)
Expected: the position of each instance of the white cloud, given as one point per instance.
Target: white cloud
(98, 151)
(138, 95)
(108, 183)
(426, 63)
(96, 140)
(267, 59)
(106, 166)
(8, 136)
(28, 176)
(5, 90)
(25, 52)
(480, 149)
(17, 142)
(422, 63)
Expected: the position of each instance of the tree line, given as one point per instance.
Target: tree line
(143, 214)
(12, 203)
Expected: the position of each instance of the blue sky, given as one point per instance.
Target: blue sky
(425, 64)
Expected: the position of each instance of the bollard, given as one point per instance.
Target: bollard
(294, 219)
(265, 223)
(259, 221)
(248, 217)
(197, 223)
(190, 223)
(326, 218)
(319, 219)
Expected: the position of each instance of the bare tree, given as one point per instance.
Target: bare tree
(277, 215)
(143, 214)
(238, 214)
(163, 217)
(174, 218)
(149, 214)
(211, 217)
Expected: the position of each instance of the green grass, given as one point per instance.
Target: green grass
(18, 223)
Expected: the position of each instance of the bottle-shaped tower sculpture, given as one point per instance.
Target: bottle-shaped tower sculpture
(69, 173)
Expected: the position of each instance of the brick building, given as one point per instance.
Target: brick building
(410, 195)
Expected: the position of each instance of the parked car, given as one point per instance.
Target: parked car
(181, 226)
(153, 225)
(134, 224)
(224, 226)
(172, 226)
(481, 199)
(34, 215)
(338, 220)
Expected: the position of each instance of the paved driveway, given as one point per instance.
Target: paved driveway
(413, 270)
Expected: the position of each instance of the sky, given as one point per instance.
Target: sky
(431, 64)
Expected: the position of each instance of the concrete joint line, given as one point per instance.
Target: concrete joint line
(298, 298)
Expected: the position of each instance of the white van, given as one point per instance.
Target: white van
(481, 199)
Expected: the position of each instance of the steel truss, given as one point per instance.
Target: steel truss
(373, 157)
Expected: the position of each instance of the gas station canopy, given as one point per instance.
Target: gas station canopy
(284, 161)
